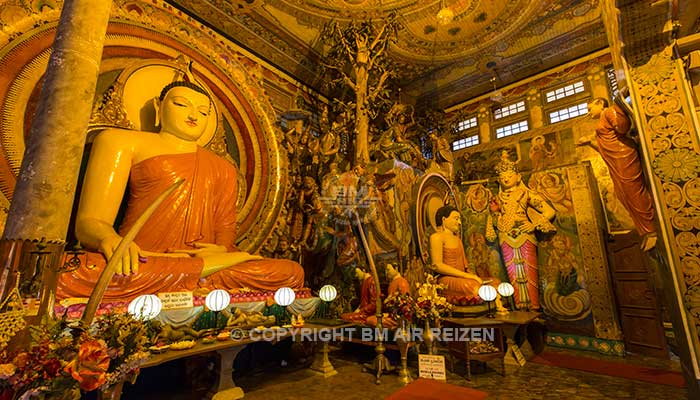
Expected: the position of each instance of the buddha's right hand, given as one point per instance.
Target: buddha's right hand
(215, 262)
(130, 259)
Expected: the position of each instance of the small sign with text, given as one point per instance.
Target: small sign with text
(173, 300)
(431, 367)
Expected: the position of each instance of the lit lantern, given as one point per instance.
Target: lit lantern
(145, 307)
(217, 300)
(327, 293)
(505, 289)
(284, 296)
(487, 293)
(445, 16)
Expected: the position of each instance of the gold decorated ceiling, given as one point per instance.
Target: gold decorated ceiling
(438, 64)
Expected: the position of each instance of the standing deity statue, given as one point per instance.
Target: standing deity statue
(619, 151)
(516, 213)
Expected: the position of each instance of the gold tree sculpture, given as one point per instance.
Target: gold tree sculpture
(356, 58)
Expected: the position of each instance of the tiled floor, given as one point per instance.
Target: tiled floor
(533, 381)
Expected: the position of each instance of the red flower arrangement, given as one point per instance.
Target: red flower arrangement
(400, 307)
(89, 368)
(65, 358)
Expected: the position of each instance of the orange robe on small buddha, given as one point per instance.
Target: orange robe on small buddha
(398, 284)
(202, 209)
(458, 290)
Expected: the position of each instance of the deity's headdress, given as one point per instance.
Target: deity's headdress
(505, 164)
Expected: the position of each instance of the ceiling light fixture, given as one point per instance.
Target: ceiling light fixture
(445, 16)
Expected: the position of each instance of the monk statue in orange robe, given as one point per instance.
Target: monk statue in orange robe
(619, 151)
(188, 242)
(397, 283)
(448, 259)
(368, 299)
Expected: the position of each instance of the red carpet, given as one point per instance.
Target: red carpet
(611, 368)
(429, 389)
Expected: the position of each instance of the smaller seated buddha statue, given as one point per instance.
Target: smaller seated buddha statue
(368, 299)
(397, 283)
(449, 260)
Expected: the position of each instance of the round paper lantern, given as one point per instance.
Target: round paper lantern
(505, 289)
(284, 296)
(146, 306)
(487, 293)
(217, 300)
(327, 293)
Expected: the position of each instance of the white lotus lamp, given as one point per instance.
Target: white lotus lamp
(217, 300)
(328, 293)
(285, 296)
(488, 294)
(145, 307)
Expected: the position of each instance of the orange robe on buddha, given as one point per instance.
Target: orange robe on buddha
(202, 209)
(458, 290)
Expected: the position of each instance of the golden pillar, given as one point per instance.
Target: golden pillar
(43, 197)
(642, 36)
(484, 121)
(534, 104)
(595, 74)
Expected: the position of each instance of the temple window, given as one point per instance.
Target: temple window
(510, 109)
(565, 91)
(466, 124)
(512, 129)
(612, 80)
(563, 114)
(463, 143)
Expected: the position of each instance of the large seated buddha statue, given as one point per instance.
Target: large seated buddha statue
(188, 242)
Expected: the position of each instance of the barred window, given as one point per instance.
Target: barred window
(511, 129)
(568, 112)
(565, 91)
(612, 81)
(466, 124)
(465, 142)
(509, 110)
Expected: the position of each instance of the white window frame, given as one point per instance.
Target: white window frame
(565, 91)
(573, 111)
(510, 109)
(512, 129)
(465, 142)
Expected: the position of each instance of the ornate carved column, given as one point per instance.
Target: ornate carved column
(670, 140)
(43, 197)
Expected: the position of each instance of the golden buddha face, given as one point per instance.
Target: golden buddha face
(453, 222)
(183, 113)
(508, 179)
